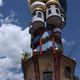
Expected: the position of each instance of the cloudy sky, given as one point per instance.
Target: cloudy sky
(14, 36)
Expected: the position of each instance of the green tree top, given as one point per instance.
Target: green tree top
(25, 55)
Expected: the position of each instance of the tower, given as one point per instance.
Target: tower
(48, 20)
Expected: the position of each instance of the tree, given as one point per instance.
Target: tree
(25, 55)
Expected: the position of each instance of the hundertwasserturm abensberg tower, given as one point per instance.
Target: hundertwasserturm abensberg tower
(48, 61)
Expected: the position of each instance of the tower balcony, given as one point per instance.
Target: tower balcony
(53, 14)
(37, 21)
(57, 33)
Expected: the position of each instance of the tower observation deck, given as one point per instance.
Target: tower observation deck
(48, 20)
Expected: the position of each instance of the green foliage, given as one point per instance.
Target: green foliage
(25, 55)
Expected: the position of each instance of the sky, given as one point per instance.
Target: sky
(14, 36)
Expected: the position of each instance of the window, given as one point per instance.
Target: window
(49, 6)
(34, 13)
(67, 72)
(49, 11)
(56, 6)
(57, 11)
(39, 14)
(47, 76)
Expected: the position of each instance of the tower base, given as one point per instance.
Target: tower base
(43, 68)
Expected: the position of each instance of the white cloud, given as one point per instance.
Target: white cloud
(1, 2)
(1, 16)
(13, 40)
(8, 19)
(68, 43)
(5, 65)
(63, 40)
(71, 43)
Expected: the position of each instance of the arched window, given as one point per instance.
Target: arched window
(39, 14)
(56, 6)
(34, 13)
(49, 11)
(49, 6)
(57, 11)
(67, 72)
(47, 76)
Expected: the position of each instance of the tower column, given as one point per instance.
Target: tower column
(41, 43)
(58, 52)
(57, 60)
(36, 66)
(53, 43)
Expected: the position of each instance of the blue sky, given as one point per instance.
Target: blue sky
(14, 36)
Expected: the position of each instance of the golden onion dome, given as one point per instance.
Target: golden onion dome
(38, 9)
(53, 2)
(45, 1)
(37, 5)
(31, 1)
